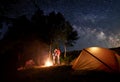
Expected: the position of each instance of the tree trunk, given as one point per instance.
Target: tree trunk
(50, 51)
(65, 51)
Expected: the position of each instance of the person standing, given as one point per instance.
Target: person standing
(58, 56)
(54, 55)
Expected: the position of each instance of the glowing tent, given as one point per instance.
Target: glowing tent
(97, 58)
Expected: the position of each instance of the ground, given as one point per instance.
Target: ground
(64, 73)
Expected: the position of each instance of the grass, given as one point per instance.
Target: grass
(64, 74)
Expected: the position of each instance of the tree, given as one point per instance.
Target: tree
(62, 31)
(69, 37)
(55, 29)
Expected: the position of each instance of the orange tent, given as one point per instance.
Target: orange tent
(97, 58)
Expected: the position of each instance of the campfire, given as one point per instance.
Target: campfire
(48, 63)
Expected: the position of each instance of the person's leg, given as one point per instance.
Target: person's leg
(58, 59)
(54, 60)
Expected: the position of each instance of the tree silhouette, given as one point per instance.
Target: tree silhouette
(52, 29)
(61, 31)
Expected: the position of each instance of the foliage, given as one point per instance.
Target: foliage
(116, 49)
(71, 55)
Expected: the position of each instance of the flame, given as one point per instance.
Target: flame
(48, 63)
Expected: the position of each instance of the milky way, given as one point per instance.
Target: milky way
(96, 21)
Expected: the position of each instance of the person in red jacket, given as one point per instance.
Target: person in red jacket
(58, 56)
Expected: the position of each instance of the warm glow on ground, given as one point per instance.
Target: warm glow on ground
(48, 63)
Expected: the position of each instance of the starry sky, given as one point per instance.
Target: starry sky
(96, 21)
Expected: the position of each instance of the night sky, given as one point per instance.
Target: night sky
(96, 21)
